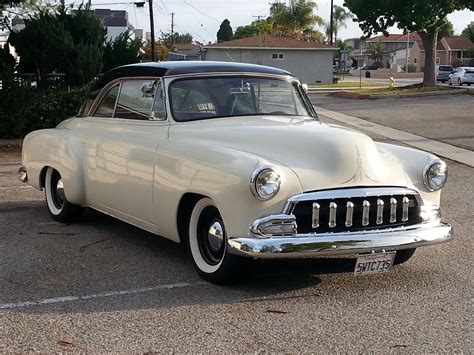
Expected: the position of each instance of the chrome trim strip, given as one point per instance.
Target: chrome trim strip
(332, 214)
(405, 203)
(349, 213)
(312, 245)
(256, 229)
(350, 193)
(365, 213)
(393, 210)
(380, 205)
(315, 216)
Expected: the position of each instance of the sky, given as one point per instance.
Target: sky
(202, 18)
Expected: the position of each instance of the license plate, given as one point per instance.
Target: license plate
(374, 263)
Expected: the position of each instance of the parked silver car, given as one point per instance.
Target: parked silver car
(462, 75)
(443, 72)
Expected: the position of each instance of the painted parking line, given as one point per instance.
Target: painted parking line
(445, 150)
(55, 300)
(15, 187)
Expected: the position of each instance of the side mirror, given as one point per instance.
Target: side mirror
(305, 87)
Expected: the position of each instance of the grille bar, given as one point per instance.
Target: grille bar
(372, 211)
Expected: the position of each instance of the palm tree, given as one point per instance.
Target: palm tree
(376, 51)
(294, 18)
(340, 16)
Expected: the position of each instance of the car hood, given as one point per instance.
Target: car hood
(322, 156)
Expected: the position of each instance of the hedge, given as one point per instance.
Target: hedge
(25, 109)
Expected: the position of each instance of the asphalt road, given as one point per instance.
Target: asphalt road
(102, 285)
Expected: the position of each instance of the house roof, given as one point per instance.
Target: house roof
(401, 37)
(270, 42)
(186, 47)
(459, 42)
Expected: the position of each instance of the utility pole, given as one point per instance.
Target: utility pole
(259, 30)
(152, 29)
(172, 31)
(408, 46)
(331, 22)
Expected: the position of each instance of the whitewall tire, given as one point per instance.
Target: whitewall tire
(59, 207)
(207, 243)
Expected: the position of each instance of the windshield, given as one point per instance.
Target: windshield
(212, 97)
(445, 68)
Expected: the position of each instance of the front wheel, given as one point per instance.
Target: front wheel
(59, 207)
(207, 243)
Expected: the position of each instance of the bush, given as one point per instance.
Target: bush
(411, 68)
(25, 109)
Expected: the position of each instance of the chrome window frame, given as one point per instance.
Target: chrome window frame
(105, 90)
(288, 78)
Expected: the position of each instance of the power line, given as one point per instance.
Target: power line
(201, 12)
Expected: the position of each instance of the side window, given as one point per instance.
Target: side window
(106, 107)
(135, 100)
(159, 110)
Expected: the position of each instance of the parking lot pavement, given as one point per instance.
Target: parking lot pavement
(448, 119)
(102, 285)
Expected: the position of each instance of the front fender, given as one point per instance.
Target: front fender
(59, 149)
(221, 174)
(413, 162)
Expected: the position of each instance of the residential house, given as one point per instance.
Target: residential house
(185, 52)
(403, 49)
(309, 61)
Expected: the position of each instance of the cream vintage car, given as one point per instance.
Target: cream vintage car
(232, 160)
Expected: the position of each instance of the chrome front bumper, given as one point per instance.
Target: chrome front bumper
(327, 244)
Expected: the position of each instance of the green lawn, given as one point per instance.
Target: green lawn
(400, 91)
(345, 84)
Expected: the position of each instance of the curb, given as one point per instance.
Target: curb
(11, 143)
(355, 96)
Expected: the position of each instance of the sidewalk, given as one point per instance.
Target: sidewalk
(445, 150)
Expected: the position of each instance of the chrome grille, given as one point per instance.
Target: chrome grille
(355, 209)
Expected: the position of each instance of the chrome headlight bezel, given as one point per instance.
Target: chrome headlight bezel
(433, 169)
(258, 176)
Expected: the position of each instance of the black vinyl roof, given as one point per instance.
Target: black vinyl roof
(160, 69)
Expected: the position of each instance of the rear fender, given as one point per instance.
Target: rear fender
(59, 149)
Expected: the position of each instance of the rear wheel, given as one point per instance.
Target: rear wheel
(60, 208)
(403, 255)
(207, 243)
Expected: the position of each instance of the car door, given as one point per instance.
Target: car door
(129, 127)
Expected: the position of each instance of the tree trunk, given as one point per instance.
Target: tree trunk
(429, 42)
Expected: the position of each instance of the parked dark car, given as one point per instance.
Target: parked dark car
(443, 72)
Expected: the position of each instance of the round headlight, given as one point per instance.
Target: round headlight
(435, 175)
(265, 183)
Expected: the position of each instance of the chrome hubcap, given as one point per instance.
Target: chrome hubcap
(215, 236)
(60, 191)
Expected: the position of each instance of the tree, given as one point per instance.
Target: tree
(254, 29)
(168, 40)
(469, 31)
(225, 32)
(446, 29)
(376, 52)
(84, 62)
(42, 45)
(121, 51)
(161, 52)
(61, 42)
(313, 35)
(422, 16)
(340, 16)
(293, 19)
